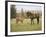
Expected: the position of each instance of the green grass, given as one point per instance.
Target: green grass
(25, 26)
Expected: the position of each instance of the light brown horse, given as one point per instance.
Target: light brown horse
(19, 18)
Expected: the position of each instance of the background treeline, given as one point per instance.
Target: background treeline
(13, 11)
(22, 13)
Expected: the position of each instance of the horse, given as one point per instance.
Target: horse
(32, 16)
(19, 18)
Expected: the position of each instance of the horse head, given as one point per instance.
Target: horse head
(29, 14)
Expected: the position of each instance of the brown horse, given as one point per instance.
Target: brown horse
(33, 16)
(19, 18)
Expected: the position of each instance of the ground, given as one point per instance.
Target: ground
(25, 26)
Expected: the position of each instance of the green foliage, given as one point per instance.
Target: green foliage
(13, 11)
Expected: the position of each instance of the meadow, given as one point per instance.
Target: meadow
(25, 26)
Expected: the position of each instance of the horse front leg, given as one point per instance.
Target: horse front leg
(37, 20)
(31, 21)
(17, 21)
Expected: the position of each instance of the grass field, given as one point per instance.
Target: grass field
(25, 26)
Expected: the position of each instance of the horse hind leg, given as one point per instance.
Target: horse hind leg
(21, 21)
(17, 21)
(37, 20)
(31, 21)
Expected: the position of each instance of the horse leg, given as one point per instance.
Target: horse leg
(22, 21)
(37, 20)
(17, 21)
(31, 21)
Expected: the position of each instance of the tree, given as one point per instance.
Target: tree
(22, 12)
(13, 11)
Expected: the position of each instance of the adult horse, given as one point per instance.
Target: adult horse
(33, 16)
